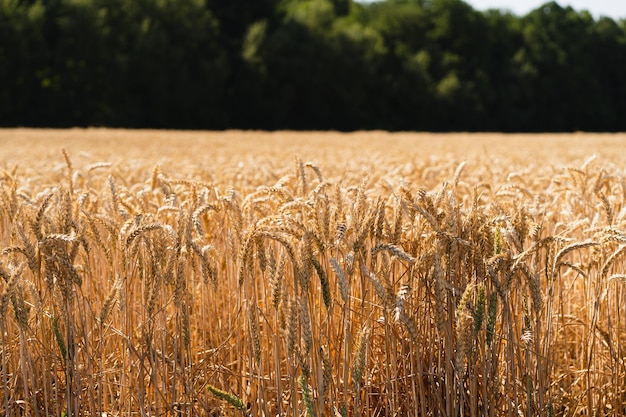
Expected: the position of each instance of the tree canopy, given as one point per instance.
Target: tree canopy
(431, 65)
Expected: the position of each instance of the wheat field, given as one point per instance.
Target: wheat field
(161, 273)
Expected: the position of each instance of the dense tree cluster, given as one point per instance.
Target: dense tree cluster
(433, 65)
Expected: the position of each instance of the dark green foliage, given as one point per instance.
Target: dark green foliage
(309, 64)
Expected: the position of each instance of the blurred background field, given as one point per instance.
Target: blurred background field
(192, 147)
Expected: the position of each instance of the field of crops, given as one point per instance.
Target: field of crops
(158, 273)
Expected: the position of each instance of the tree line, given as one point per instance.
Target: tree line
(431, 65)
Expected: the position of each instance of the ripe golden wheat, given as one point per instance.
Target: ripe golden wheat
(428, 287)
